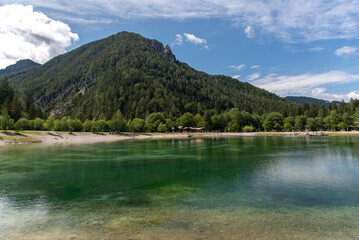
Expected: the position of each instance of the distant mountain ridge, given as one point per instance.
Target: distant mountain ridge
(309, 100)
(138, 76)
(20, 67)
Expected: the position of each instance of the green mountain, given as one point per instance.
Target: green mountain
(20, 67)
(309, 100)
(138, 76)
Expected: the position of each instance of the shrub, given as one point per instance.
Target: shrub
(162, 127)
(248, 129)
(21, 124)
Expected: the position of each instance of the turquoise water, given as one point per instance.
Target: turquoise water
(229, 188)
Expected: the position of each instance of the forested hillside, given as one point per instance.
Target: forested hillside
(309, 100)
(137, 76)
(129, 83)
(20, 67)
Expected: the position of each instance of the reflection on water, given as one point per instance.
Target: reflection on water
(249, 187)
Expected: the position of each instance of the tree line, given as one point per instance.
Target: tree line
(19, 112)
(232, 120)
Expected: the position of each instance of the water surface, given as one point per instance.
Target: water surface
(225, 188)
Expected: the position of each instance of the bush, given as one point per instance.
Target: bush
(6, 122)
(21, 124)
(95, 127)
(30, 125)
(62, 125)
(162, 127)
(75, 125)
(137, 125)
(248, 129)
(50, 123)
(87, 126)
(39, 124)
(288, 127)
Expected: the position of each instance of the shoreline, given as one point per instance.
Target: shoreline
(51, 138)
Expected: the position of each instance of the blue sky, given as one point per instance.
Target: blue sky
(302, 47)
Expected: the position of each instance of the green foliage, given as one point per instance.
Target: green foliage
(331, 121)
(30, 125)
(342, 126)
(20, 67)
(198, 120)
(62, 124)
(162, 127)
(300, 122)
(49, 124)
(95, 127)
(39, 124)
(153, 121)
(186, 120)
(74, 125)
(6, 122)
(289, 120)
(154, 117)
(21, 124)
(319, 123)
(117, 123)
(87, 126)
(273, 120)
(248, 129)
(137, 125)
(104, 127)
(233, 126)
(288, 127)
(311, 124)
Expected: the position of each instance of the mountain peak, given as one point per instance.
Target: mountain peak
(137, 76)
(158, 47)
(168, 52)
(20, 66)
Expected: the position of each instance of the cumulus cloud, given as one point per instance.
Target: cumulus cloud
(323, 94)
(307, 84)
(239, 67)
(345, 51)
(249, 32)
(255, 66)
(189, 37)
(253, 76)
(28, 34)
(299, 20)
(179, 40)
(236, 76)
(195, 40)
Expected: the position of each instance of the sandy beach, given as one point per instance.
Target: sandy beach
(50, 138)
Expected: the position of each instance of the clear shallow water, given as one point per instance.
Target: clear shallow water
(230, 188)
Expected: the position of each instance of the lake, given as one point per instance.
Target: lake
(221, 188)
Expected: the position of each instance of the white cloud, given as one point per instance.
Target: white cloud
(255, 66)
(315, 49)
(253, 76)
(299, 20)
(179, 40)
(353, 94)
(323, 94)
(189, 37)
(239, 67)
(27, 34)
(195, 40)
(307, 84)
(249, 32)
(345, 51)
(236, 76)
